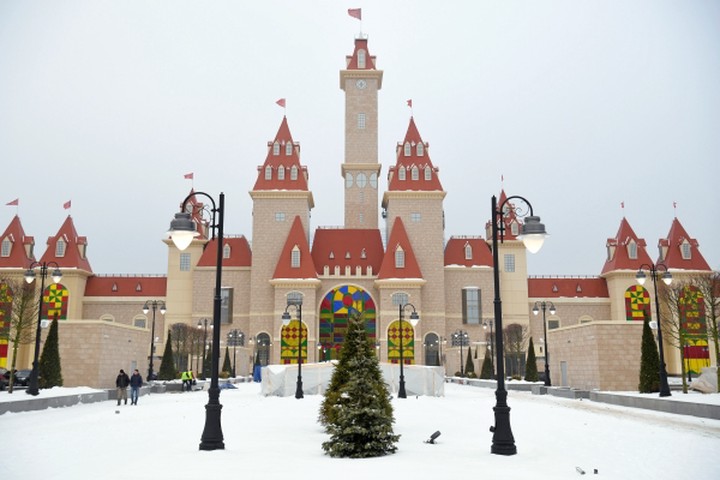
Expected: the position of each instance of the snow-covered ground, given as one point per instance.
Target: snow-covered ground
(274, 438)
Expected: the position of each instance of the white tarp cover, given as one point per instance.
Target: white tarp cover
(281, 380)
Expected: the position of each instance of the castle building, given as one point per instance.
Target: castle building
(390, 258)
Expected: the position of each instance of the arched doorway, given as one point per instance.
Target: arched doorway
(335, 309)
(262, 350)
(432, 350)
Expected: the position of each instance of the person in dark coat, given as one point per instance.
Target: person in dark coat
(136, 382)
(121, 382)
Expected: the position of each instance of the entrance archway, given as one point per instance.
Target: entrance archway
(335, 309)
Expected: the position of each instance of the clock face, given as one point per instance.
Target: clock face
(373, 180)
(348, 180)
(361, 180)
(361, 84)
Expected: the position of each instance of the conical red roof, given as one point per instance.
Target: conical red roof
(413, 170)
(282, 169)
(21, 246)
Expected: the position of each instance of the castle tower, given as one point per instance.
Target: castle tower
(361, 81)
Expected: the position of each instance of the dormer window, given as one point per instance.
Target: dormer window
(363, 254)
(428, 174)
(632, 250)
(408, 149)
(60, 248)
(361, 58)
(288, 149)
(295, 257)
(420, 149)
(281, 173)
(685, 250)
(401, 173)
(276, 149)
(226, 251)
(514, 229)
(268, 173)
(468, 252)
(293, 173)
(399, 258)
(415, 173)
(6, 247)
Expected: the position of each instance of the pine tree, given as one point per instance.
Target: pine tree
(227, 366)
(486, 371)
(362, 421)
(531, 371)
(470, 365)
(49, 367)
(649, 362)
(167, 365)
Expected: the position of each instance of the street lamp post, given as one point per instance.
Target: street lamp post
(33, 387)
(487, 324)
(235, 336)
(461, 336)
(154, 305)
(297, 303)
(533, 235)
(667, 279)
(414, 319)
(182, 231)
(536, 309)
(203, 323)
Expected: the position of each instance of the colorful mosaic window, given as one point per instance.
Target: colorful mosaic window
(6, 296)
(55, 302)
(334, 311)
(693, 324)
(290, 338)
(408, 342)
(637, 304)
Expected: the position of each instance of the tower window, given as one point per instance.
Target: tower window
(279, 216)
(632, 250)
(685, 250)
(281, 173)
(420, 149)
(399, 298)
(5, 250)
(415, 173)
(268, 173)
(60, 248)
(361, 121)
(293, 173)
(468, 252)
(184, 262)
(276, 149)
(288, 148)
(401, 173)
(471, 305)
(514, 229)
(361, 218)
(295, 257)
(361, 58)
(509, 262)
(415, 217)
(399, 258)
(408, 149)
(428, 174)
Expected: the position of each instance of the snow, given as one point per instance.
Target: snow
(277, 437)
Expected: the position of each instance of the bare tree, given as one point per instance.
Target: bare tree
(187, 342)
(709, 286)
(19, 317)
(674, 329)
(515, 339)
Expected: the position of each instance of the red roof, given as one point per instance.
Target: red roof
(74, 251)
(296, 238)
(621, 259)
(240, 254)
(352, 60)
(480, 253)
(126, 286)
(567, 287)
(347, 248)
(18, 257)
(283, 162)
(399, 239)
(674, 242)
(418, 159)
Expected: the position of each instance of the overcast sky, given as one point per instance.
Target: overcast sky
(578, 105)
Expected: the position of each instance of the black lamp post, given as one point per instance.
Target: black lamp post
(235, 336)
(154, 305)
(460, 337)
(33, 387)
(182, 231)
(667, 278)
(487, 324)
(203, 323)
(297, 303)
(414, 319)
(533, 235)
(536, 309)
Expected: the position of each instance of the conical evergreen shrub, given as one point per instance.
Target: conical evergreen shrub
(167, 365)
(531, 371)
(470, 365)
(227, 366)
(486, 371)
(649, 362)
(360, 424)
(49, 367)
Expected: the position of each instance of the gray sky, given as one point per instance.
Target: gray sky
(579, 105)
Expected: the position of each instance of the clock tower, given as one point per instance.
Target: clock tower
(361, 81)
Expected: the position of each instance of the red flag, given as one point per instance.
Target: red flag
(14, 203)
(189, 176)
(67, 204)
(674, 204)
(355, 13)
(622, 204)
(409, 102)
(281, 102)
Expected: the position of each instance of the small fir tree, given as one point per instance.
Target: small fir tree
(49, 368)
(470, 365)
(486, 371)
(362, 421)
(649, 362)
(227, 366)
(531, 371)
(167, 365)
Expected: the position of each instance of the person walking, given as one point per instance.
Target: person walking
(121, 382)
(185, 377)
(136, 382)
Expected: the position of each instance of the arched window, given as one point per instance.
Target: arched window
(420, 149)
(6, 246)
(361, 58)
(293, 173)
(226, 251)
(268, 173)
(408, 149)
(400, 298)
(428, 174)
(632, 250)
(60, 248)
(401, 173)
(295, 257)
(276, 148)
(468, 252)
(637, 304)
(281, 173)
(415, 173)
(399, 257)
(685, 250)
(288, 148)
